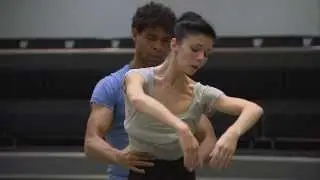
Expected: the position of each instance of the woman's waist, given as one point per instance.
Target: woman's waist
(152, 134)
(165, 151)
(143, 122)
(176, 163)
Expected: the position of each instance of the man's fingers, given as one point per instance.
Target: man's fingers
(143, 163)
(143, 156)
(137, 156)
(142, 171)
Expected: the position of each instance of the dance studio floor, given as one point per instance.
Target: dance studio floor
(100, 178)
(95, 177)
(31, 165)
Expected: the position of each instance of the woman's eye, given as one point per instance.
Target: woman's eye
(195, 49)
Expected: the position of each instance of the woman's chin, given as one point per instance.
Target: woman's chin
(190, 72)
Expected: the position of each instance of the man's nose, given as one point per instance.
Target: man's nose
(157, 45)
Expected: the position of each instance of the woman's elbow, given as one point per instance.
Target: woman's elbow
(137, 102)
(256, 109)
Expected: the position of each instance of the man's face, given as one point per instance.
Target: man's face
(152, 45)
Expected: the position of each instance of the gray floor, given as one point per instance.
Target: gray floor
(75, 166)
(99, 177)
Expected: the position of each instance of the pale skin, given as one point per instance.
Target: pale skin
(172, 95)
(100, 119)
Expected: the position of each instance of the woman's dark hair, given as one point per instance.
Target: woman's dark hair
(189, 16)
(191, 23)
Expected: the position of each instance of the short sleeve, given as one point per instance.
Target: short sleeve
(146, 73)
(209, 96)
(105, 92)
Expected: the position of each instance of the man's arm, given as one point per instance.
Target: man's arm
(103, 101)
(207, 138)
(98, 124)
(100, 119)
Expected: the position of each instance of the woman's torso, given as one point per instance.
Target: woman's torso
(147, 134)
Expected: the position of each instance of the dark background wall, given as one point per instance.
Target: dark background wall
(43, 92)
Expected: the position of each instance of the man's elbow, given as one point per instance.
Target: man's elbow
(88, 146)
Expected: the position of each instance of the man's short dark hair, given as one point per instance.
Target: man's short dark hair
(152, 15)
(191, 23)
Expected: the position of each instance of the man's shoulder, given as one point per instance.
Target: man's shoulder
(116, 77)
(145, 69)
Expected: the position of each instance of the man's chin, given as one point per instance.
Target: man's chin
(154, 62)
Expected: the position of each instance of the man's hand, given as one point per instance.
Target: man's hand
(135, 161)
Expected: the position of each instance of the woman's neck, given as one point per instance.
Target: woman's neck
(170, 72)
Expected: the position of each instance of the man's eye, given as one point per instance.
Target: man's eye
(151, 38)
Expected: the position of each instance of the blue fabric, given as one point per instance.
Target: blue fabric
(107, 93)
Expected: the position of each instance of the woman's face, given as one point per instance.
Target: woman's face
(192, 52)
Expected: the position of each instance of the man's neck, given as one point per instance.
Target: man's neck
(135, 64)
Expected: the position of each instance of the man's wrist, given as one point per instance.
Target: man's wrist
(117, 156)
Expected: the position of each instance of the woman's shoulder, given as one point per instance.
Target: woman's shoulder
(141, 70)
(146, 73)
(204, 90)
(195, 84)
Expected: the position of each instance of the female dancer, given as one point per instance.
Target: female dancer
(163, 105)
